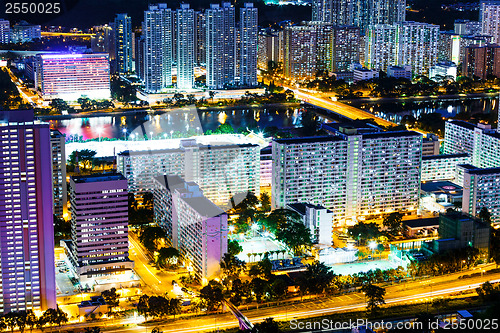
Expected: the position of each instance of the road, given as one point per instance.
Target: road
(403, 293)
(26, 94)
(155, 282)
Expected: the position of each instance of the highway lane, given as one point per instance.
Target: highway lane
(419, 291)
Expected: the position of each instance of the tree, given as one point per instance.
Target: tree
(316, 278)
(294, 235)
(59, 105)
(280, 217)
(394, 222)
(261, 269)
(147, 199)
(174, 306)
(167, 256)
(231, 265)
(310, 123)
(151, 236)
(31, 319)
(485, 215)
(61, 317)
(212, 295)
(111, 298)
(21, 319)
(374, 295)
(143, 306)
(156, 330)
(10, 320)
(85, 156)
(364, 231)
(267, 326)
(265, 202)
(234, 248)
(487, 291)
(224, 129)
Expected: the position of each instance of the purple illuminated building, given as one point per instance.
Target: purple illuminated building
(26, 214)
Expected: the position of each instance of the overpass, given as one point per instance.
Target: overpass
(341, 109)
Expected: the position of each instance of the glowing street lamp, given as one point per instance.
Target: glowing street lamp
(171, 132)
(231, 228)
(150, 135)
(373, 246)
(99, 130)
(124, 133)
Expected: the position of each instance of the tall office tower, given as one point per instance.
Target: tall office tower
(467, 27)
(123, 42)
(157, 32)
(140, 44)
(185, 47)
(354, 174)
(201, 38)
(71, 76)
(194, 224)
(222, 170)
(248, 45)
(58, 144)
(221, 49)
(481, 189)
(99, 227)
(307, 49)
(481, 142)
(381, 47)
(269, 49)
(4, 31)
(481, 61)
(417, 46)
(26, 214)
(345, 47)
(489, 16)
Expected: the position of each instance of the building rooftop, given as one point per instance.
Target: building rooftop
(203, 206)
(313, 139)
(494, 134)
(444, 156)
(395, 134)
(464, 124)
(301, 207)
(440, 186)
(421, 223)
(102, 177)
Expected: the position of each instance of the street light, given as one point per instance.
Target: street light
(99, 130)
(373, 246)
(171, 132)
(124, 133)
(150, 135)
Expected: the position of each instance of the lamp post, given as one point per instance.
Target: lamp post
(124, 133)
(373, 246)
(171, 132)
(99, 130)
(150, 135)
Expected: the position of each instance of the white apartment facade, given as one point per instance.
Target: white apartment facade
(442, 167)
(489, 16)
(221, 171)
(355, 176)
(249, 39)
(185, 32)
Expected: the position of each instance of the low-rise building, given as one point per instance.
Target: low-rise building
(400, 72)
(430, 145)
(23, 32)
(439, 196)
(318, 219)
(443, 70)
(364, 74)
(194, 224)
(421, 227)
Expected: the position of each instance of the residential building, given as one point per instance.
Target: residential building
(4, 31)
(489, 16)
(266, 166)
(71, 76)
(430, 145)
(60, 195)
(481, 61)
(103, 41)
(417, 45)
(467, 27)
(443, 70)
(221, 170)
(302, 55)
(201, 38)
(269, 49)
(449, 45)
(442, 167)
(399, 72)
(345, 47)
(248, 45)
(481, 190)
(26, 214)
(220, 47)
(479, 141)
(99, 227)
(362, 74)
(157, 32)
(353, 174)
(140, 44)
(437, 196)
(380, 49)
(318, 219)
(194, 224)
(185, 47)
(24, 32)
(123, 43)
